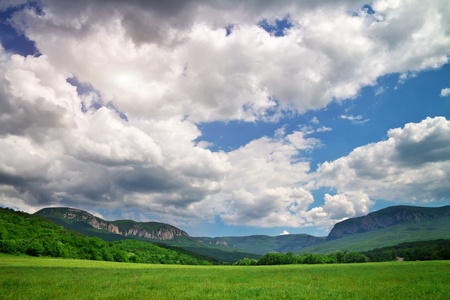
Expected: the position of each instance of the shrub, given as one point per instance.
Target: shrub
(35, 249)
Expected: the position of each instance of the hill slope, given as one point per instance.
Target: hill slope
(382, 228)
(77, 220)
(88, 224)
(387, 217)
(34, 235)
(161, 233)
(262, 244)
(386, 227)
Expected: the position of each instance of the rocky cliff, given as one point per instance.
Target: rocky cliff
(217, 242)
(164, 233)
(387, 217)
(148, 230)
(82, 216)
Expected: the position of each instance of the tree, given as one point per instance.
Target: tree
(35, 249)
(9, 246)
(354, 257)
(290, 258)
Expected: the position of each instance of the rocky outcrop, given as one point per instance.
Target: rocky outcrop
(159, 231)
(221, 243)
(82, 216)
(165, 233)
(217, 242)
(385, 218)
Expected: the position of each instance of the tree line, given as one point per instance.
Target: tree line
(36, 236)
(288, 258)
(410, 251)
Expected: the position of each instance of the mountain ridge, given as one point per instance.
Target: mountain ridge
(387, 217)
(377, 229)
(148, 230)
(260, 243)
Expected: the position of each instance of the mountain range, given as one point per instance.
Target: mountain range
(382, 228)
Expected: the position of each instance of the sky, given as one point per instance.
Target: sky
(225, 118)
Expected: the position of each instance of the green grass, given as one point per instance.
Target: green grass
(24, 277)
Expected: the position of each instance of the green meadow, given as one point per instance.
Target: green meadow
(23, 277)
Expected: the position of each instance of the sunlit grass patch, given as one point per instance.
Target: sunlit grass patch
(47, 278)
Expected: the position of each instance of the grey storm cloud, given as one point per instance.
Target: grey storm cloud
(431, 148)
(148, 180)
(33, 120)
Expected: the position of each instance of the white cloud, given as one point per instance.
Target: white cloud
(182, 55)
(316, 121)
(445, 92)
(267, 185)
(379, 90)
(169, 66)
(413, 165)
(338, 206)
(95, 158)
(355, 119)
(284, 232)
(54, 153)
(324, 129)
(405, 76)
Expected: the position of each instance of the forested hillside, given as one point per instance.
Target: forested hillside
(34, 235)
(423, 250)
(88, 224)
(412, 251)
(164, 235)
(387, 227)
(262, 244)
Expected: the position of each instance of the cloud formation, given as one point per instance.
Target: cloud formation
(355, 119)
(412, 165)
(170, 65)
(445, 92)
(180, 52)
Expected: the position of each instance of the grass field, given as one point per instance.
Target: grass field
(24, 277)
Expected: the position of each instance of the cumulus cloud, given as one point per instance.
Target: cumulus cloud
(53, 152)
(92, 158)
(181, 53)
(412, 165)
(170, 65)
(266, 185)
(445, 92)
